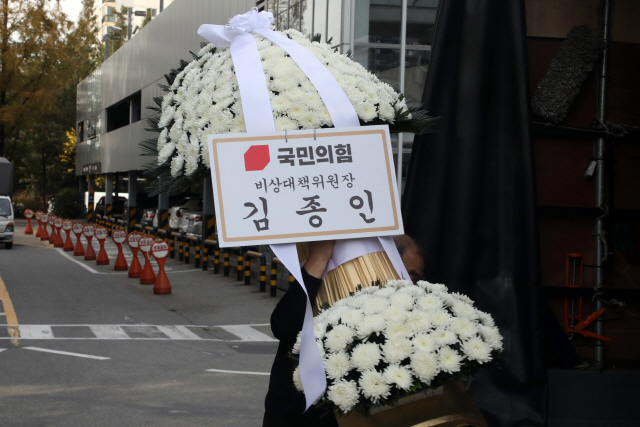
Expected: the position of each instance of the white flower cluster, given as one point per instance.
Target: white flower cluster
(204, 99)
(385, 340)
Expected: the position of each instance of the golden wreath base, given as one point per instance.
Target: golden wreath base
(447, 406)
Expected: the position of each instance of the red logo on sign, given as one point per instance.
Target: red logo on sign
(256, 158)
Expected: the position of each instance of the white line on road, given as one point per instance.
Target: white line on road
(109, 332)
(2, 349)
(2, 314)
(66, 353)
(247, 333)
(36, 332)
(178, 333)
(224, 371)
(78, 262)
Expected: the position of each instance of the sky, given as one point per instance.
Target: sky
(72, 8)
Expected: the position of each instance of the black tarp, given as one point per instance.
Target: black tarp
(470, 193)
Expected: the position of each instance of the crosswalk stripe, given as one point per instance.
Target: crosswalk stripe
(109, 332)
(36, 332)
(178, 333)
(247, 333)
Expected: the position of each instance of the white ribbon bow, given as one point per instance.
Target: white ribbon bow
(223, 35)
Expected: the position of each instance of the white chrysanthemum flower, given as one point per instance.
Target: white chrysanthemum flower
(297, 381)
(374, 305)
(336, 313)
(444, 336)
(394, 314)
(449, 359)
(419, 321)
(352, 317)
(464, 328)
(369, 290)
(166, 152)
(397, 349)
(176, 165)
(338, 338)
(385, 292)
(398, 330)
(344, 394)
(296, 346)
(491, 335)
(424, 343)
(486, 319)
(204, 154)
(402, 299)
(337, 365)
(167, 116)
(465, 310)
(436, 287)
(365, 356)
(374, 386)
(463, 298)
(369, 325)
(476, 349)
(447, 299)
(285, 123)
(425, 366)
(440, 318)
(399, 375)
(319, 329)
(366, 111)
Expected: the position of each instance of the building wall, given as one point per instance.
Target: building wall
(139, 65)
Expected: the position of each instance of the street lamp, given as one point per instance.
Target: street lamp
(106, 40)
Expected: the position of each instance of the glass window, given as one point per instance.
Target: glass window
(421, 19)
(416, 65)
(306, 26)
(384, 63)
(378, 21)
(320, 18)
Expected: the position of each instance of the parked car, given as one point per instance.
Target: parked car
(118, 206)
(188, 204)
(149, 218)
(6, 222)
(192, 223)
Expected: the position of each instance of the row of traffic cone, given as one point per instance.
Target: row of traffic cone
(135, 240)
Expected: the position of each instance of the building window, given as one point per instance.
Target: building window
(307, 16)
(80, 132)
(124, 112)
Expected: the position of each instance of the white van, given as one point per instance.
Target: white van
(6, 222)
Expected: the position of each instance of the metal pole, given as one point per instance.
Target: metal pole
(129, 14)
(161, 5)
(599, 153)
(403, 48)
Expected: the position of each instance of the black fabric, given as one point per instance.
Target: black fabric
(284, 405)
(470, 193)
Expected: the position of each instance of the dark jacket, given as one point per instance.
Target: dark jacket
(284, 405)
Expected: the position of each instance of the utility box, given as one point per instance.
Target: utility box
(6, 177)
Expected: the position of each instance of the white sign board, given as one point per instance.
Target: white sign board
(304, 185)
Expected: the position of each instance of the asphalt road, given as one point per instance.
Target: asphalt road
(95, 348)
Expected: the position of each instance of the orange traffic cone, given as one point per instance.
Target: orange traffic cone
(39, 230)
(119, 237)
(44, 235)
(77, 230)
(66, 226)
(101, 235)
(148, 277)
(28, 213)
(136, 269)
(57, 241)
(88, 232)
(160, 251)
(52, 235)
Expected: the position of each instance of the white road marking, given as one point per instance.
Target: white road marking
(224, 371)
(2, 349)
(178, 333)
(247, 333)
(36, 332)
(66, 353)
(109, 332)
(77, 262)
(2, 314)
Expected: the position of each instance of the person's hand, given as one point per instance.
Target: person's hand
(319, 256)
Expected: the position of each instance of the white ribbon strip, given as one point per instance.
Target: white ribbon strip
(310, 361)
(258, 116)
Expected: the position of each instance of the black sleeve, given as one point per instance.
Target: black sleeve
(288, 316)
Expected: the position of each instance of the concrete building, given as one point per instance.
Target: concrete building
(104, 11)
